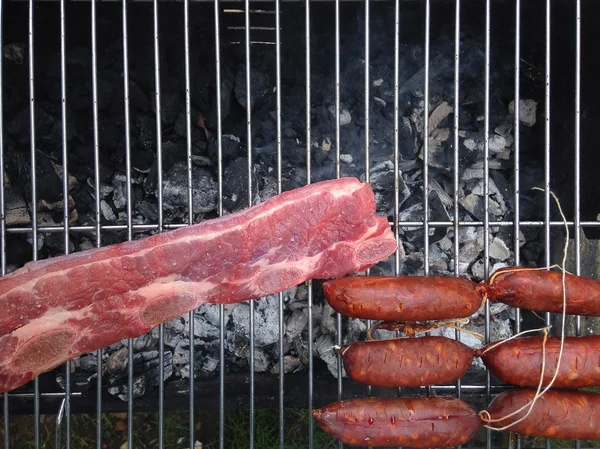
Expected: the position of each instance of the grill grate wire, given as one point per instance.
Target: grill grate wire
(34, 230)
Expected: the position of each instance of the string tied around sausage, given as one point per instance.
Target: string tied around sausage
(412, 328)
(484, 414)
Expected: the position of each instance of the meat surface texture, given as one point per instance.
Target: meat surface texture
(59, 308)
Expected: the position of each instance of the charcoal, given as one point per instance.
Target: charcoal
(80, 381)
(290, 364)
(260, 86)
(175, 189)
(381, 178)
(201, 91)
(106, 89)
(109, 134)
(499, 250)
(527, 111)
(181, 129)
(55, 242)
(296, 323)
(227, 82)
(235, 189)
(142, 159)
(138, 98)
(323, 347)
(18, 127)
(146, 131)
(170, 106)
(230, 146)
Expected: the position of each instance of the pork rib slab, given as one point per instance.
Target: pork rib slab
(58, 308)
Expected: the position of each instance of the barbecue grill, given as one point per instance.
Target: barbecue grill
(122, 119)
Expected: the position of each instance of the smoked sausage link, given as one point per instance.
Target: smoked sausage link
(562, 414)
(403, 298)
(519, 361)
(407, 362)
(423, 422)
(541, 291)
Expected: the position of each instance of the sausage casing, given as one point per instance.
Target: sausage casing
(563, 414)
(541, 291)
(403, 298)
(423, 422)
(519, 361)
(407, 362)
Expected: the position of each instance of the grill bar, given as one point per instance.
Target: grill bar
(65, 186)
(220, 212)
(97, 204)
(516, 155)
(278, 148)
(425, 139)
(34, 223)
(486, 197)
(405, 224)
(129, 213)
(577, 149)
(456, 152)
(308, 181)
(338, 147)
(159, 169)
(6, 420)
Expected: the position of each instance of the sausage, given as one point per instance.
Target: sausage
(519, 362)
(403, 298)
(563, 414)
(541, 291)
(420, 422)
(407, 362)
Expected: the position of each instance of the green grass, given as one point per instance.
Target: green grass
(296, 428)
(175, 430)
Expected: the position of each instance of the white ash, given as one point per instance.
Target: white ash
(290, 364)
(347, 158)
(325, 348)
(499, 250)
(527, 111)
(107, 211)
(345, 116)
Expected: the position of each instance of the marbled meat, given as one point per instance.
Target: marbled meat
(59, 308)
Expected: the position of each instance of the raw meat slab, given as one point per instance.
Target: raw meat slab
(62, 307)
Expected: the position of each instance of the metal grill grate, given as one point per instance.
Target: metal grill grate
(240, 33)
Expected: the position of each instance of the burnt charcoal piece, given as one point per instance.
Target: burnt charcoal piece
(175, 189)
(146, 371)
(49, 184)
(110, 135)
(146, 128)
(230, 146)
(201, 90)
(235, 185)
(18, 250)
(54, 139)
(381, 178)
(181, 128)
(80, 381)
(170, 107)
(18, 127)
(138, 98)
(260, 86)
(106, 91)
(149, 210)
(54, 243)
(142, 159)
(227, 82)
